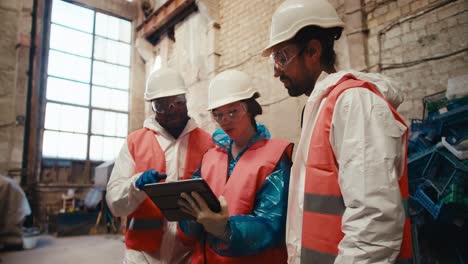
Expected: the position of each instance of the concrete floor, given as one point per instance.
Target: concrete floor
(69, 250)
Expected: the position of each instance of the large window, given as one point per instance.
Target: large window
(88, 74)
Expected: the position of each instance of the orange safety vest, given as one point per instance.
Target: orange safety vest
(144, 225)
(323, 201)
(240, 189)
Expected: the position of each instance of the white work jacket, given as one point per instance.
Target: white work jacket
(370, 190)
(123, 197)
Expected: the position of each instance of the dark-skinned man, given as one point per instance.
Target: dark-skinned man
(168, 147)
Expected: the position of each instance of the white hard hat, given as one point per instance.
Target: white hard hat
(229, 86)
(164, 82)
(293, 15)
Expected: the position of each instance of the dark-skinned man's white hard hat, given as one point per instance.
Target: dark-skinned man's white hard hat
(163, 83)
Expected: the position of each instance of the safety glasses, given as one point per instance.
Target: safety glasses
(281, 58)
(233, 114)
(163, 106)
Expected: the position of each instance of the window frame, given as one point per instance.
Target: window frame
(47, 27)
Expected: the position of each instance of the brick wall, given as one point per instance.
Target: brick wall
(420, 43)
(423, 44)
(15, 28)
(244, 32)
(380, 35)
(235, 33)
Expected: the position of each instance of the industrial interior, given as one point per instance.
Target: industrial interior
(72, 88)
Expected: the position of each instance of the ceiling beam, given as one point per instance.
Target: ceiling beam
(163, 20)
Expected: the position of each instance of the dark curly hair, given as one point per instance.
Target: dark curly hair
(253, 108)
(326, 37)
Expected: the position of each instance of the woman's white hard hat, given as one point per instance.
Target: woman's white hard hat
(228, 87)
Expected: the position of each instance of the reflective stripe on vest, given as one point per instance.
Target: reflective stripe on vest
(323, 202)
(334, 205)
(326, 204)
(240, 189)
(146, 233)
(312, 256)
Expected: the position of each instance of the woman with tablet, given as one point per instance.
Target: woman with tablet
(249, 173)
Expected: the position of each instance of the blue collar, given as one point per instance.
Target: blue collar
(222, 140)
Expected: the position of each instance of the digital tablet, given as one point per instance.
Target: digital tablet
(166, 194)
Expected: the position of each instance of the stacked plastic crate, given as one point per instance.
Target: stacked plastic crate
(438, 177)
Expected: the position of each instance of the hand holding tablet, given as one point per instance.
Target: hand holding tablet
(165, 196)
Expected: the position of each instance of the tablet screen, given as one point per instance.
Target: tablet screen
(166, 194)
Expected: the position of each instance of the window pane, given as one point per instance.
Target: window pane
(109, 98)
(105, 148)
(110, 75)
(109, 123)
(72, 16)
(78, 80)
(125, 31)
(69, 66)
(66, 118)
(64, 145)
(96, 148)
(113, 28)
(122, 78)
(69, 40)
(122, 125)
(67, 91)
(119, 100)
(100, 97)
(112, 51)
(112, 147)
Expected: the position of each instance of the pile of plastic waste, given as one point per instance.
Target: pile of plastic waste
(438, 176)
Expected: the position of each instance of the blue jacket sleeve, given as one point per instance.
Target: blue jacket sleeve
(264, 228)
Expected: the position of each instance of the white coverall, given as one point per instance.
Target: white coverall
(369, 186)
(123, 197)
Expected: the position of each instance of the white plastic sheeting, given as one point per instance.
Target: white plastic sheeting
(457, 87)
(14, 208)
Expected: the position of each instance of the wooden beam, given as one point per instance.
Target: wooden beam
(164, 19)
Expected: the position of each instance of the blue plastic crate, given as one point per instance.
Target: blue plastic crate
(417, 164)
(416, 125)
(424, 135)
(418, 143)
(425, 201)
(434, 103)
(438, 167)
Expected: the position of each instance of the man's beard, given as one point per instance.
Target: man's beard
(294, 91)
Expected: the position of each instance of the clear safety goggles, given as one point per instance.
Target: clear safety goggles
(281, 58)
(161, 107)
(233, 114)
